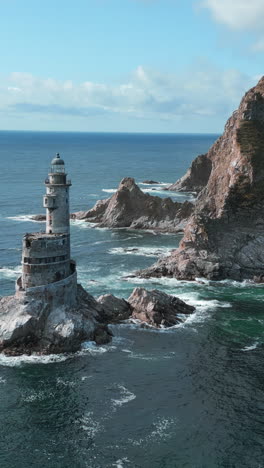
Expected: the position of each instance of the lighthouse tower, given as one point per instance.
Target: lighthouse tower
(56, 200)
(46, 257)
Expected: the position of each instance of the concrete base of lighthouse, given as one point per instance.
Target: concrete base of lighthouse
(52, 318)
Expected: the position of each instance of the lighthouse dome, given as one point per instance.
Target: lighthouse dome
(57, 160)
(57, 165)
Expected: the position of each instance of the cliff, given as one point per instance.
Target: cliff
(196, 177)
(131, 208)
(224, 237)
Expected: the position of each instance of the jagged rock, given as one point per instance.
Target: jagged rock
(32, 325)
(130, 207)
(225, 236)
(150, 182)
(114, 309)
(196, 177)
(157, 308)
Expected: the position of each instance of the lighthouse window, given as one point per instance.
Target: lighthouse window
(50, 221)
(66, 200)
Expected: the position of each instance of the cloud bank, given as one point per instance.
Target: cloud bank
(202, 92)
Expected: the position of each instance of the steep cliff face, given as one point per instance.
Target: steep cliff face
(224, 237)
(130, 207)
(196, 177)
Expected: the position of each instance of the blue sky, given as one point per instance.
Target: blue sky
(127, 65)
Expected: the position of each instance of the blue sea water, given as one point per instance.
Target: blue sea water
(191, 396)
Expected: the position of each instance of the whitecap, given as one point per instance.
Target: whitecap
(125, 396)
(162, 430)
(17, 361)
(109, 190)
(10, 272)
(65, 383)
(2, 381)
(141, 251)
(89, 424)
(250, 348)
(24, 218)
(90, 347)
(120, 463)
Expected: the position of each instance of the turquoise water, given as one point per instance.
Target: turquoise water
(191, 396)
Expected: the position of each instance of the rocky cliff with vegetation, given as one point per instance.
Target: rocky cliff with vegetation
(224, 237)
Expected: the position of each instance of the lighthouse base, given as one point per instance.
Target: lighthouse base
(37, 322)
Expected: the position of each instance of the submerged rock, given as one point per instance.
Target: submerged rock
(150, 182)
(130, 207)
(157, 308)
(29, 325)
(196, 177)
(224, 238)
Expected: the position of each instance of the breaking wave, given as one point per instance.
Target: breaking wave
(24, 218)
(142, 251)
(10, 272)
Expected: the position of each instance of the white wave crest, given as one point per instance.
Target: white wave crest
(17, 361)
(125, 396)
(89, 424)
(10, 272)
(24, 218)
(141, 251)
(120, 463)
(250, 348)
(109, 190)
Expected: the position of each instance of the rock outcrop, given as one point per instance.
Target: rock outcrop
(224, 238)
(157, 308)
(154, 308)
(150, 182)
(131, 208)
(196, 177)
(32, 325)
(115, 310)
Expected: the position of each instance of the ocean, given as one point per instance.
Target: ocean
(188, 397)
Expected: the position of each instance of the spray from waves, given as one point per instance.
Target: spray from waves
(163, 428)
(89, 424)
(141, 251)
(10, 272)
(17, 361)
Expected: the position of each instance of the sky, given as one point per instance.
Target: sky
(168, 66)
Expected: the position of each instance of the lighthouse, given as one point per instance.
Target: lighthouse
(56, 200)
(46, 256)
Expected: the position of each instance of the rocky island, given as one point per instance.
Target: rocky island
(224, 236)
(131, 208)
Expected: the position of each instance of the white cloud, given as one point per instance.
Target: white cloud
(237, 14)
(203, 92)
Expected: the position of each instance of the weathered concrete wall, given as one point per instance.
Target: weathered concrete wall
(45, 259)
(56, 294)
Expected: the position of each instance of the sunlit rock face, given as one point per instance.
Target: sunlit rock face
(224, 237)
(132, 208)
